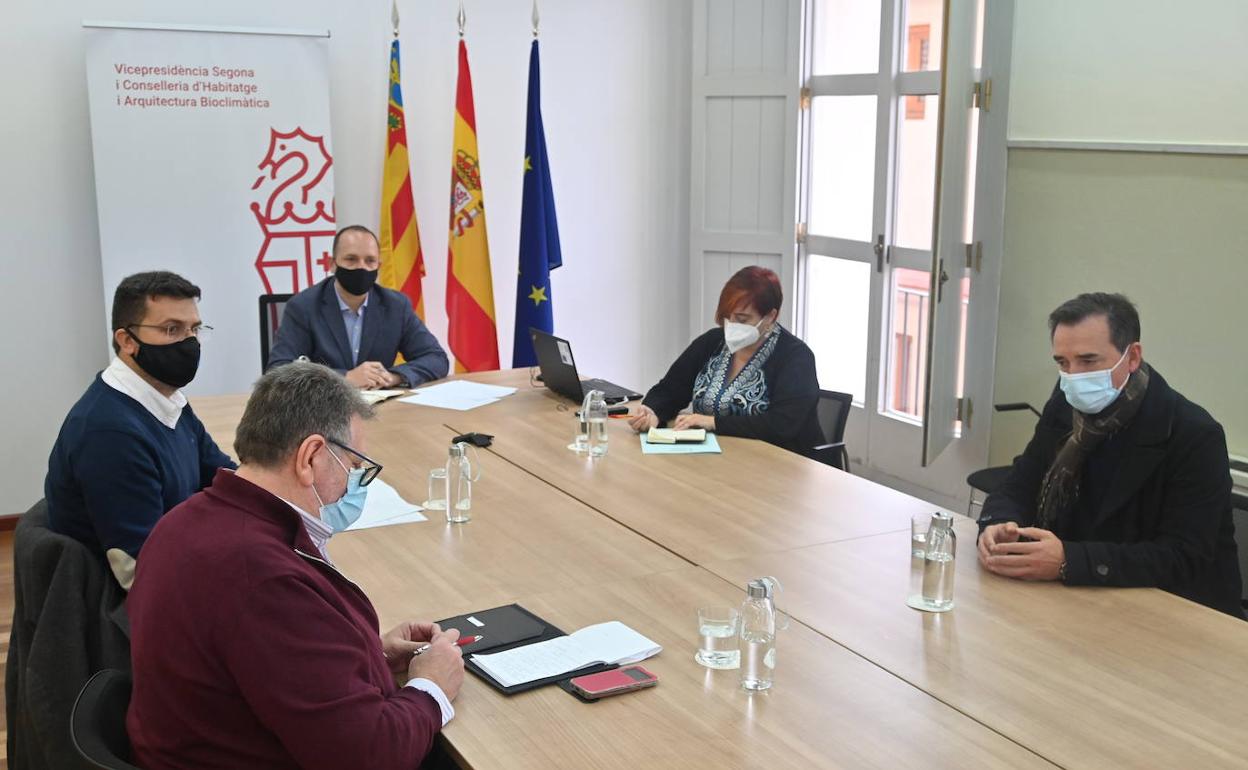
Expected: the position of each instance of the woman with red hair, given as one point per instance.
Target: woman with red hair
(747, 377)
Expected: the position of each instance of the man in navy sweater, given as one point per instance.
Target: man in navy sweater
(131, 448)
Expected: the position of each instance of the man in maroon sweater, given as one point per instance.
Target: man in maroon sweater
(249, 648)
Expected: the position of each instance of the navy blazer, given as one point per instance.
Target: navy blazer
(312, 326)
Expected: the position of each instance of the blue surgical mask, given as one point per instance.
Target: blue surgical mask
(1091, 392)
(347, 509)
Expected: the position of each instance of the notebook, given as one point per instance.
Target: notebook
(673, 436)
(610, 643)
(497, 627)
(374, 397)
(709, 446)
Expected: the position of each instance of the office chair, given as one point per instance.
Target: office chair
(271, 308)
(1239, 513)
(68, 622)
(833, 414)
(98, 721)
(989, 480)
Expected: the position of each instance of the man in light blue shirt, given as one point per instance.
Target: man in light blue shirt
(353, 320)
(356, 327)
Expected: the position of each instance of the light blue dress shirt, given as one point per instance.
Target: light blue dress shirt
(353, 320)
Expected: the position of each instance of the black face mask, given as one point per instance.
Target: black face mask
(355, 281)
(174, 364)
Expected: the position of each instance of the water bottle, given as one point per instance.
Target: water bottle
(594, 414)
(942, 546)
(459, 479)
(757, 642)
(580, 442)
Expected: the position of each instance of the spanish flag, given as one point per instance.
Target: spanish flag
(402, 263)
(469, 286)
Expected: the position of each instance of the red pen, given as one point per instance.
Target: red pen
(463, 641)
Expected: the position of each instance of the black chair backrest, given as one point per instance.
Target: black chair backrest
(1239, 513)
(832, 412)
(98, 722)
(271, 307)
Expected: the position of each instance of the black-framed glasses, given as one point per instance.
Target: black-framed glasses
(371, 466)
(176, 332)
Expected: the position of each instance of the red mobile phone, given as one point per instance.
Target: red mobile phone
(604, 683)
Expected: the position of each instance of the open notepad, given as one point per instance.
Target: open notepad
(611, 643)
(374, 397)
(673, 436)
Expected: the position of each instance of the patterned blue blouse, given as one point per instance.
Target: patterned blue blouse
(746, 394)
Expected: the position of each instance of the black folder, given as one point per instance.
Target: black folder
(506, 627)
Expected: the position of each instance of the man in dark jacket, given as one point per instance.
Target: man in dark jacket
(1125, 482)
(357, 328)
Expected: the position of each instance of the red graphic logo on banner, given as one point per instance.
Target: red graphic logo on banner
(295, 211)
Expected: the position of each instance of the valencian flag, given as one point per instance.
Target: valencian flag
(539, 231)
(469, 287)
(402, 263)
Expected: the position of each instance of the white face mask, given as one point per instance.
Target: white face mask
(738, 336)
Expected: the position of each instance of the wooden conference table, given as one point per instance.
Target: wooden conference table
(1017, 675)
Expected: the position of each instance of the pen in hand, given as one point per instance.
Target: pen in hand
(463, 641)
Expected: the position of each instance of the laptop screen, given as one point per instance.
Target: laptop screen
(554, 358)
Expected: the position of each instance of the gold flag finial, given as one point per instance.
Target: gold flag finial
(394, 16)
(462, 18)
(537, 19)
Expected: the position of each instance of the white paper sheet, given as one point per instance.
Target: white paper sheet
(384, 507)
(610, 642)
(460, 395)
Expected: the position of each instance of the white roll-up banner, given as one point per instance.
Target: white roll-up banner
(212, 160)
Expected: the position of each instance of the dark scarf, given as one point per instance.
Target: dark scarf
(1060, 489)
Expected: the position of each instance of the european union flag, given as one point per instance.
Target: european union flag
(539, 232)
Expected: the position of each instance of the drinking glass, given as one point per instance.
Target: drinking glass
(436, 501)
(717, 627)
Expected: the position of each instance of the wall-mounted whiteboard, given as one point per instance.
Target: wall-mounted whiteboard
(1138, 72)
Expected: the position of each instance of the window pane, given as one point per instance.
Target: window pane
(842, 166)
(917, 120)
(906, 389)
(964, 291)
(846, 37)
(838, 305)
(964, 296)
(924, 31)
(977, 58)
(972, 168)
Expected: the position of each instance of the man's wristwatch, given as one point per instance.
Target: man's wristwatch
(1061, 572)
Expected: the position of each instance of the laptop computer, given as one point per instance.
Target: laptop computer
(554, 357)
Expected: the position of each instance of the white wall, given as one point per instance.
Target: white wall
(1130, 71)
(615, 97)
(1166, 229)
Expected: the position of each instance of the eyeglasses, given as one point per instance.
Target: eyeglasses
(176, 332)
(371, 467)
